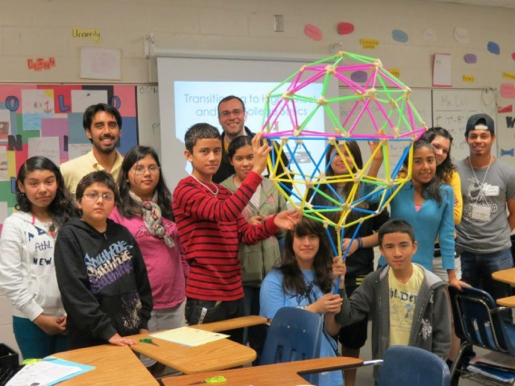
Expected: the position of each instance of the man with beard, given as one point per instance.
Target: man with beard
(103, 126)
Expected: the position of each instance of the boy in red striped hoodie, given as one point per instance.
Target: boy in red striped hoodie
(210, 225)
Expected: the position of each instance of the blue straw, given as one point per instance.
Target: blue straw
(344, 257)
(335, 250)
(295, 160)
(289, 191)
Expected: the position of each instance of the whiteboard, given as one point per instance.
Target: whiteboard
(452, 109)
(149, 126)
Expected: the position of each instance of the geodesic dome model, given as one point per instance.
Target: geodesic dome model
(382, 114)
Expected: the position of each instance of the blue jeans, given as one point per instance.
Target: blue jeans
(477, 271)
(34, 342)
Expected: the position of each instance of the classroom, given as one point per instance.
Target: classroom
(146, 56)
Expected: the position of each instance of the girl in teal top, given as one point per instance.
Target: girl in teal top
(428, 206)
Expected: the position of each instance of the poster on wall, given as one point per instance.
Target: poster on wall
(46, 120)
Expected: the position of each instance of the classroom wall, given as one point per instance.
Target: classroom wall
(32, 29)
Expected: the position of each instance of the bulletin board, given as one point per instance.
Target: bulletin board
(46, 120)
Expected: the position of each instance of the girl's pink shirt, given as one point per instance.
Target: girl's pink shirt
(167, 267)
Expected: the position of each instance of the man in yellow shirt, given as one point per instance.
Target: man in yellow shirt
(408, 305)
(103, 126)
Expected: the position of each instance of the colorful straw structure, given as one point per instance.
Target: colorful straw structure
(382, 102)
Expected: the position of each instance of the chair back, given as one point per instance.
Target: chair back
(478, 320)
(406, 365)
(294, 335)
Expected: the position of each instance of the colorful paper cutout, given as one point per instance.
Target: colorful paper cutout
(369, 43)
(469, 78)
(493, 48)
(395, 72)
(508, 75)
(345, 28)
(470, 58)
(399, 36)
(508, 90)
(359, 76)
(313, 32)
(510, 152)
(506, 109)
(57, 127)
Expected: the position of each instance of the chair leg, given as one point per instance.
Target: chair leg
(458, 358)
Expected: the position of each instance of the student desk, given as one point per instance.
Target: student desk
(113, 366)
(270, 375)
(506, 276)
(222, 354)
(507, 302)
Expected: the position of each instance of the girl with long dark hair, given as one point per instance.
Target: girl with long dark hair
(360, 257)
(446, 172)
(145, 209)
(304, 279)
(427, 205)
(27, 270)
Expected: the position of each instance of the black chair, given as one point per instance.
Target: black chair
(478, 321)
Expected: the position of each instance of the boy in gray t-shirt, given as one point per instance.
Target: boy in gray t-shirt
(488, 188)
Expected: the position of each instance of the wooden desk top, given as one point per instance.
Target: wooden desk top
(114, 366)
(505, 276)
(222, 354)
(270, 375)
(231, 324)
(507, 302)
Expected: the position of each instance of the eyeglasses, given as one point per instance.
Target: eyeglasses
(236, 112)
(95, 196)
(140, 170)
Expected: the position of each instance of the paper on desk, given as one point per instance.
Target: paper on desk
(188, 336)
(48, 372)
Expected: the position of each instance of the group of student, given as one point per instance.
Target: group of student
(123, 256)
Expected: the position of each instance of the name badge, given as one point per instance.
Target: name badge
(480, 213)
(491, 190)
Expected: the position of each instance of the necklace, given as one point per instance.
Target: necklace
(51, 228)
(487, 169)
(207, 187)
(484, 178)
